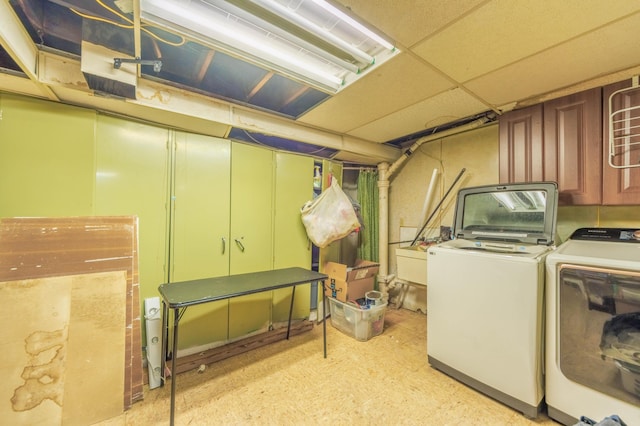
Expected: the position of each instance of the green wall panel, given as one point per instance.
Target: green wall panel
(46, 158)
(132, 175)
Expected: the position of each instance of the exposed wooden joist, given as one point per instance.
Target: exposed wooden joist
(268, 76)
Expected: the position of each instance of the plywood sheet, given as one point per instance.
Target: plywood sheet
(94, 377)
(63, 351)
(33, 248)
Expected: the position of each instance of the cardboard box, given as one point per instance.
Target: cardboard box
(350, 282)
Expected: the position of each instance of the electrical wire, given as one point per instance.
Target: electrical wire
(130, 25)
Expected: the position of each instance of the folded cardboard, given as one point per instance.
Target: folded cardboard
(350, 282)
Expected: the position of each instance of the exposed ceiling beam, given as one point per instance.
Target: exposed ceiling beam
(190, 111)
(15, 40)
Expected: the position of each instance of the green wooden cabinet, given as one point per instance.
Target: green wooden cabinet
(200, 229)
(206, 206)
(251, 233)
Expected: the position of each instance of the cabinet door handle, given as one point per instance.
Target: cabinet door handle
(224, 245)
(240, 245)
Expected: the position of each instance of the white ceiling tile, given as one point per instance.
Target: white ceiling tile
(444, 108)
(409, 21)
(504, 31)
(401, 82)
(577, 60)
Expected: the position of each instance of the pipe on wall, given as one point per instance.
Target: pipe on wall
(385, 172)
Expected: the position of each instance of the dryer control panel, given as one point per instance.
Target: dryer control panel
(618, 235)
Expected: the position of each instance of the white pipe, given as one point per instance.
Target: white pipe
(427, 199)
(383, 223)
(384, 174)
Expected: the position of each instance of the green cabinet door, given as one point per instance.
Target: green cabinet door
(132, 175)
(291, 247)
(46, 158)
(251, 233)
(200, 229)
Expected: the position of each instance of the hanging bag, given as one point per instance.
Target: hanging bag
(330, 216)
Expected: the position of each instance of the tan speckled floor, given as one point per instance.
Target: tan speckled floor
(384, 381)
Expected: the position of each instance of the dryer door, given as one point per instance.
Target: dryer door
(599, 329)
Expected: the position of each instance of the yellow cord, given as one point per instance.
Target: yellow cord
(130, 25)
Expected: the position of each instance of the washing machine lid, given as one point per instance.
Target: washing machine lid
(517, 212)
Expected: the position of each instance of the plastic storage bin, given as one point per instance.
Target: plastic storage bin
(361, 324)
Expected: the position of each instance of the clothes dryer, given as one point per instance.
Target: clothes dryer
(593, 326)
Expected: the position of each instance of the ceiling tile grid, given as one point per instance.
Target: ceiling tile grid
(409, 21)
(443, 108)
(506, 31)
(577, 60)
(399, 83)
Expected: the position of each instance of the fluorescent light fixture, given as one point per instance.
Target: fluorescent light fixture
(250, 30)
(239, 38)
(289, 13)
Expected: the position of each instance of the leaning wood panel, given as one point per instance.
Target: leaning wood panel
(46, 247)
(63, 361)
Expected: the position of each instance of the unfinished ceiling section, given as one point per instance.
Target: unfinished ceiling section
(449, 63)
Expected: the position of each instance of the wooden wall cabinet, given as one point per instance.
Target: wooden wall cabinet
(521, 148)
(573, 146)
(558, 140)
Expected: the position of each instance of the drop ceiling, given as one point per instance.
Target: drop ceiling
(457, 60)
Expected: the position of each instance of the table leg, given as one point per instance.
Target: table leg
(165, 346)
(176, 320)
(324, 320)
(293, 295)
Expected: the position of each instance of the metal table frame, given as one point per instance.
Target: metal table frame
(180, 295)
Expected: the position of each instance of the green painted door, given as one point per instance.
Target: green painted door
(251, 233)
(46, 158)
(291, 247)
(200, 229)
(132, 175)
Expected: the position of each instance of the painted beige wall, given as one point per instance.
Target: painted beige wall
(477, 152)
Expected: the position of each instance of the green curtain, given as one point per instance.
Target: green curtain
(368, 200)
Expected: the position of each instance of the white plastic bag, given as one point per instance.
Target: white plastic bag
(330, 216)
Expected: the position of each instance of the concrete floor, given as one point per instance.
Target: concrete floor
(383, 381)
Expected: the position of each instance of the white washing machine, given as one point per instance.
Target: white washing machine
(593, 326)
(485, 292)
